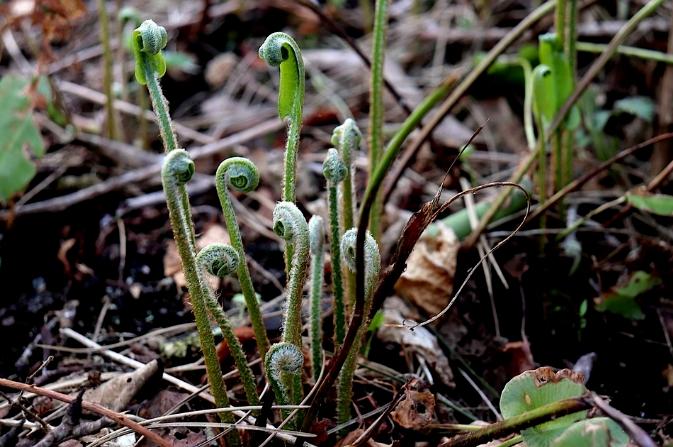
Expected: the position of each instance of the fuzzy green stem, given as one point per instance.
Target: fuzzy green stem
(376, 109)
(583, 84)
(289, 223)
(334, 171)
(346, 138)
(280, 50)
(372, 268)
(222, 260)
(316, 230)
(110, 117)
(242, 175)
(177, 170)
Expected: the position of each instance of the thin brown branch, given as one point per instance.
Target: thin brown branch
(89, 406)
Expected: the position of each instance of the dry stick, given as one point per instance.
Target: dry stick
(591, 73)
(89, 406)
(130, 109)
(636, 433)
(119, 358)
(579, 182)
(462, 88)
(63, 202)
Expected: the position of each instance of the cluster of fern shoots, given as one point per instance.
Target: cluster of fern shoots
(304, 241)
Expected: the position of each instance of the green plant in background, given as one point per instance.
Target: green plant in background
(372, 268)
(242, 175)
(21, 136)
(110, 115)
(222, 260)
(334, 171)
(316, 231)
(178, 168)
(376, 110)
(280, 50)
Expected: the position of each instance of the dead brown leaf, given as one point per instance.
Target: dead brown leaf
(420, 340)
(173, 264)
(117, 393)
(428, 280)
(417, 408)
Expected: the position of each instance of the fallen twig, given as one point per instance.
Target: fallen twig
(89, 406)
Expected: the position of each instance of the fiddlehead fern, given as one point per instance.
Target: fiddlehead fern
(177, 169)
(242, 175)
(148, 41)
(280, 50)
(289, 223)
(346, 139)
(283, 359)
(222, 260)
(372, 268)
(334, 171)
(316, 231)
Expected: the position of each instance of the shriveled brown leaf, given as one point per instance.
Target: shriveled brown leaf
(428, 280)
(417, 408)
(161, 403)
(173, 264)
(117, 393)
(420, 340)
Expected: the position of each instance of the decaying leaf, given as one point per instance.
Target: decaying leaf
(417, 408)
(117, 393)
(428, 280)
(173, 264)
(420, 340)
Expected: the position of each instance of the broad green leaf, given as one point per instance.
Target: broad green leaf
(534, 389)
(660, 204)
(597, 432)
(639, 106)
(551, 55)
(21, 139)
(622, 300)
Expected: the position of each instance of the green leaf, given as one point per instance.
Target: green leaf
(639, 106)
(660, 204)
(534, 389)
(597, 432)
(21, 139)
(179, 60)
(544, 93)
(622, 300)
